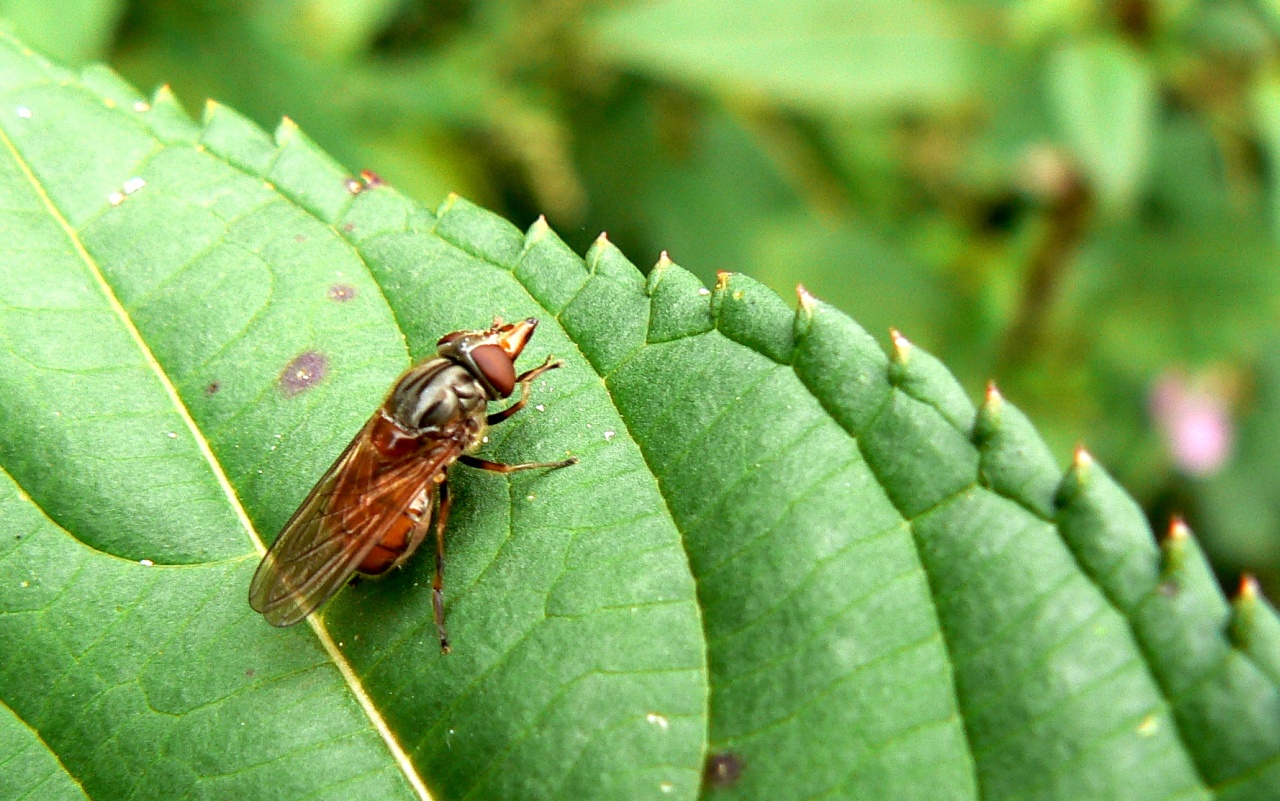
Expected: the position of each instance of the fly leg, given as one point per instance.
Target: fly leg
(443, 501)
(498, 467)
(524, 380)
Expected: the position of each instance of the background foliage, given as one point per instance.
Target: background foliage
(1078, 197)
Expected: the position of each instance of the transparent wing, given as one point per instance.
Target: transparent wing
(341, 520)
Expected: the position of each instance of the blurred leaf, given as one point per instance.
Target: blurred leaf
(1033, 21)
(261, 65)
(1266, 112)
(1187, 294)
(827, 56)
(73, 31)
(1105, 102)
(323, 29)
(1240, 506)
(665, 174)
(859, 272)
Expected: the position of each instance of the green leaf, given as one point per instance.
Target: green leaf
(74, 31)
(819, 565)
(27, 766)
(164, 284)
(817, 55)
(1104, 98)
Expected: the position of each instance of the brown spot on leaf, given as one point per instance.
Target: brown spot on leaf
(299, 238)
(249, 673)
(349, 227)
(304, 372)
(213, 388)
(723, 770)
(342, 293)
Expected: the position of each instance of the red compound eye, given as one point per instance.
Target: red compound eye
(496, 367)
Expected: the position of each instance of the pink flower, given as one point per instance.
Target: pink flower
(1194, 419)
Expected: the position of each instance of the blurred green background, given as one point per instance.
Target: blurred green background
(1078, 198)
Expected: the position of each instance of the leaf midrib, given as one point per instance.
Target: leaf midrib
(344, 667)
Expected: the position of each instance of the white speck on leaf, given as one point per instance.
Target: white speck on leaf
(24, 112)
(702, 290)
(26, 584)
(1149, 725)
(142, 105)
(540, 407)
(171, 434)
(146, 562)
(666, 787)
(115, 198)
(133, 185)
(485, 438)
(657, 720)
(608, 435)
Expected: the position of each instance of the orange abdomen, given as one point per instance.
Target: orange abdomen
(409, 524)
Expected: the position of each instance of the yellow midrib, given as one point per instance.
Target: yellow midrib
(331, 648)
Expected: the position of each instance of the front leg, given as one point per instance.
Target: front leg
(524, 380)
(498, 467)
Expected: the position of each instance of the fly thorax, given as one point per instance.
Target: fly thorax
(436, 397)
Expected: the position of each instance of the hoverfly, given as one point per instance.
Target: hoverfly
(372, 509)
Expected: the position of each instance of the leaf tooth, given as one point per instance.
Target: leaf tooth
(1248, 590)
(447, 204)
(993, 398)
(1077, 476)
(806, 301)
(1173, 552)
(537, 232)
(211, 109)
(286, 131)
(164, 96)
(1081, 459)
(600, 250)
(807, 307)
(901, 347)
(989, 419)
(679, 302)
(659, 271)
(1244, 609)
(718, 291)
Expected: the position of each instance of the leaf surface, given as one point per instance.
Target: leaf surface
(816, 564)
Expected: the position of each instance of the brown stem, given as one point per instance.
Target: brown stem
(1068, 218)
